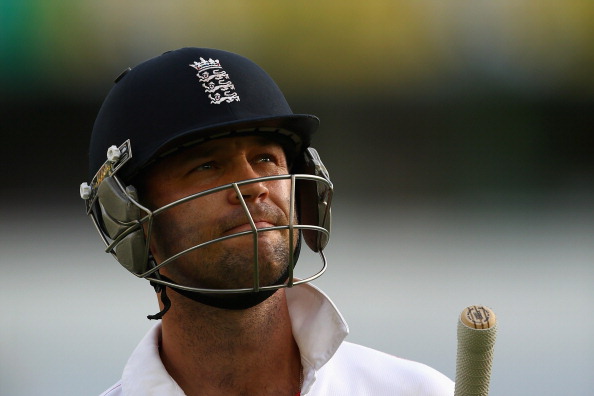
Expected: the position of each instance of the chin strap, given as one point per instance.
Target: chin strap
(164, 299)
(233, 301)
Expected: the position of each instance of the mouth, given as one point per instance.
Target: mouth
(248, 227)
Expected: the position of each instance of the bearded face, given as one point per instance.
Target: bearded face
(228, 263)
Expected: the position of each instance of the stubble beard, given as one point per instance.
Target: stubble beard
(226, 264)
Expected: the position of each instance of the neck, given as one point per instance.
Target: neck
(211, 351)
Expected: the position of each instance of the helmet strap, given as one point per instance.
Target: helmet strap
(233, 301)
(164, 299)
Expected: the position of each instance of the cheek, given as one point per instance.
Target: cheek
(186, 220)
(187, 215)
(175, 224)
(281, 194)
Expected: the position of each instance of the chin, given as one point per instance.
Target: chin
(231, 269)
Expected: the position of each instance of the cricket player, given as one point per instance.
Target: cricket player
(203, 181)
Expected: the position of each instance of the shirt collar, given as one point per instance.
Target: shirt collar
(318, 328)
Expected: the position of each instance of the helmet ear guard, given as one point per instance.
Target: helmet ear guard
(118, 214)
(314, 200)
(117, 210)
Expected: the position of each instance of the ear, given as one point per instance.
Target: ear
(314, 200)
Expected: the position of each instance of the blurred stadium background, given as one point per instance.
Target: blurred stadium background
(458, 135)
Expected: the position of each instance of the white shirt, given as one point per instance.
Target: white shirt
(331, 367)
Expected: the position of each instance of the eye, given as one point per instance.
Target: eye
(205, 166)
(265, 158)
(271, 163)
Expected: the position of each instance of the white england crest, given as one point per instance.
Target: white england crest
(215, 81)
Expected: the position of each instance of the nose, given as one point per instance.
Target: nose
(251, 192)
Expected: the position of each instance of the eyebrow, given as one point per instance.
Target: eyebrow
(202, 151)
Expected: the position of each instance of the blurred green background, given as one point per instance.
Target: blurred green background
(475, 100)
(458, 135)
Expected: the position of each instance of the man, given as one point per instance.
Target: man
(208, 189)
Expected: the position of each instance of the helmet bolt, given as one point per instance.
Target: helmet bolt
(85, 190)
(113, 154)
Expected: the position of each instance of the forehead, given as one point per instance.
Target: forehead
(237, 142)
(227, 145)
(170, 165)
(221, 146)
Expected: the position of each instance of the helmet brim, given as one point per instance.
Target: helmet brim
(293, 128)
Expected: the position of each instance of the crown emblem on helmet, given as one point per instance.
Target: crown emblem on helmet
(206, 64)
(215, 81)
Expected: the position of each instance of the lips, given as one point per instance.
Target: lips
(248, 227)
(264, 215)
